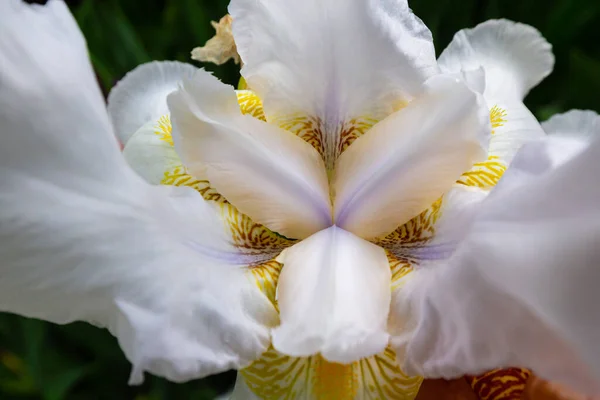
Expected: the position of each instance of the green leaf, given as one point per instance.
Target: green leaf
(57, 387)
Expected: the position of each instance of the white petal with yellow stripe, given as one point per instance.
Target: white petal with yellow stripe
(515, 58)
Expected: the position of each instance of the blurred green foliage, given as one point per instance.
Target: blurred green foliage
(44, 361)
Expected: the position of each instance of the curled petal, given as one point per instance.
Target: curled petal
(515, 57)
(435, 138)
(141, 96)
(267, 173)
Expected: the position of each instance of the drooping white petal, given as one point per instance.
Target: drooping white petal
(141, 96)
(410, 159)
(267, 173)
(580, 123)
(333, 295)
(515, 57)
(332, 61)
(83, 238)
(522, 287)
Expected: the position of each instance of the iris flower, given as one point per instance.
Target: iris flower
(335, 232)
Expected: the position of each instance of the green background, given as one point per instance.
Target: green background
(44, 361)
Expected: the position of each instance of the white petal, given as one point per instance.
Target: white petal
(150, 153)
(333, 295)
(515, 57)
(516, 128)
(578, 123)
(410, 159)
(141, 96)
(332, 60)
(83, 238)
(269, 174)
(522, 287)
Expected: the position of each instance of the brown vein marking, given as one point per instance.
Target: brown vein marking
(249, 235)
(415, 232)
(330, 142)
(245, 233)
(307, 128)
(401, 269)
(500, 384)
(275, 376)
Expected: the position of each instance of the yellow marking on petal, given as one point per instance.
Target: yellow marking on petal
(333, 380)
(180, 177)
(250, 104)
(164, 129)
(497, 117)
(266, 276)
(401, 270)
(275, 376)
(486, 174)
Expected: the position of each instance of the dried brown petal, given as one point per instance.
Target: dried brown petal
(221, 47)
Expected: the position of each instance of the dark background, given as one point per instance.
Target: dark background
(44, 361)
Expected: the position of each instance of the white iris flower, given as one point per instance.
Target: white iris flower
(329, 233)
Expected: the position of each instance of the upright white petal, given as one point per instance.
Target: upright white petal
(522, 289)
(579, 123)
(150, 151)
(513, 128)
(269, 174)
(410, 159)
(141, 96)
(84, 238)
(334, 296)
(332, 61)
(515, 57)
